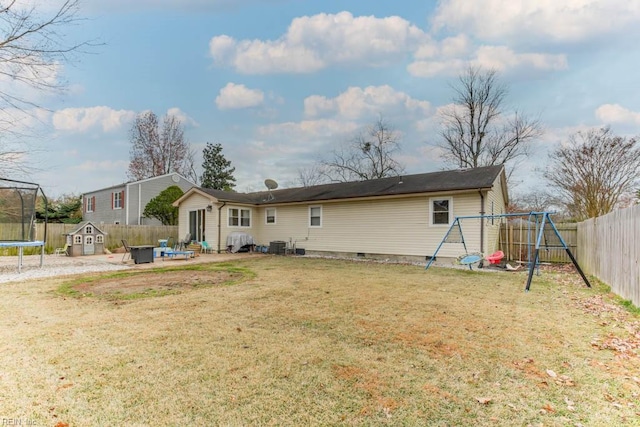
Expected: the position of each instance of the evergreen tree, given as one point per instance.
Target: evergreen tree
(218, 173)
(161, 207)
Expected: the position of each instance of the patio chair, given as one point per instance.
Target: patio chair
(62, 251)
(206, 248)
(182, 244)
(127, 250)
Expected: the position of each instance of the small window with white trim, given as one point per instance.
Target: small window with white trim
(77, 239)
(315, 216)
(441, 210)
(239, 217)
(270, 215)
(117, 200)
(99, 238)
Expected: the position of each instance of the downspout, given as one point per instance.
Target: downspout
(220, 223)
(139, 203)
(126, 205)
(482, 212)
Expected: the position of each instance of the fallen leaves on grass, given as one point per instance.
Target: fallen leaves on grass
(484, 400)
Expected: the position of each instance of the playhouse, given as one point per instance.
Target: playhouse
(86, 239)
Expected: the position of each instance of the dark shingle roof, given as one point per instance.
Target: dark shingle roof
(454, 180)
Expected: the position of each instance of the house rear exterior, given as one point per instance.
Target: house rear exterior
(401, 217)
(124, 203)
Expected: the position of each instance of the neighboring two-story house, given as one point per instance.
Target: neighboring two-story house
(124, 204)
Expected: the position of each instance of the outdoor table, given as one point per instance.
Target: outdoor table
(141, 254)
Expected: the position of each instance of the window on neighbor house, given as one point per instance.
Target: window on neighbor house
(91, 204)
(117, 200)
(315, 216)
(441, 211)
(270, 214)
(239, 217)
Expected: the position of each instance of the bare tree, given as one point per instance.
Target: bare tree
(312, 175)
(32, 48)
(594, 171)
(477, 131)
(368, 156)
(158, 150)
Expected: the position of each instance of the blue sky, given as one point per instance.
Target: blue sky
(280, 83)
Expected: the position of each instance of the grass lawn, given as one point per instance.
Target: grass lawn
(300, 341)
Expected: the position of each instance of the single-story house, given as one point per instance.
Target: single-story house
(404, 217)
(125, 203)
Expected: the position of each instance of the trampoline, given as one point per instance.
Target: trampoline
(18, 203)
(21, 246)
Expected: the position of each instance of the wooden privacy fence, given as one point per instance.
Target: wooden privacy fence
(518, 242)
(133, 234)
(609, 248)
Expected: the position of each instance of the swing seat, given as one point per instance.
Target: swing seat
(495, 257)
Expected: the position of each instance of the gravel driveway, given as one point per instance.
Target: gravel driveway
(61, 265)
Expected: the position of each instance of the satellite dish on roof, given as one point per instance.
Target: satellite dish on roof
(270, 184)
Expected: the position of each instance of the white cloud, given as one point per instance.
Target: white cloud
(433, 68)
(235, 96)
(615, 113)
(306, 130)
(85, 119)
(502, 58)
(314, 42)
(182, 116)
(357, 102)
(526, 20)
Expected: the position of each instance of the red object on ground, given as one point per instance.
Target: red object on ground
(495, 257)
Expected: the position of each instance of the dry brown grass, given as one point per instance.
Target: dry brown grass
(323, 342)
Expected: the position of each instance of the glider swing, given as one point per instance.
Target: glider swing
(542, 227)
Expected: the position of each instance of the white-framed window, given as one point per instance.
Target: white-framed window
(117, 200)
(91, 204)
(99, 238)
(116, 222)
(88, 229)
(88, 240)
(315, 216)
(77, 239)
(239, 217)
(270, 215)
(441, 210)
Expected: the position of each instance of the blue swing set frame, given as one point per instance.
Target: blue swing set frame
(539, 221)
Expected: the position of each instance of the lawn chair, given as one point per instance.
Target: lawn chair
(206, 248)
(182, 244)
(62, 251)
(127, 250)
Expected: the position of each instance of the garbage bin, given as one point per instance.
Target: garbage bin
(277, 247)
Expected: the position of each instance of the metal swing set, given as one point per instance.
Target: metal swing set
(540, 225)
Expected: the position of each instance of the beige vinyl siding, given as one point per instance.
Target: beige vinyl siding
(496, 197)
(256, 219)
(194, 203)
(398, 226)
